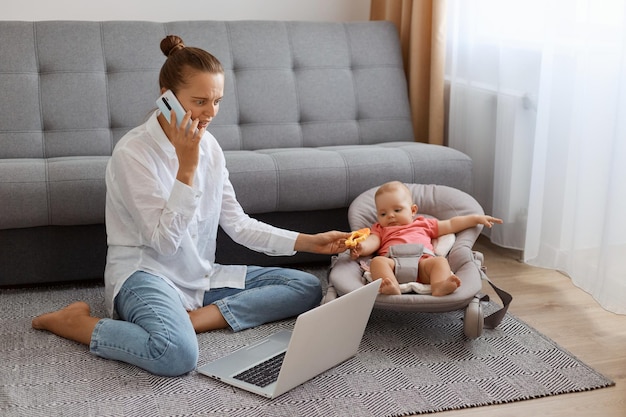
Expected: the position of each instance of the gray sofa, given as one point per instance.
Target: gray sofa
(314, 114)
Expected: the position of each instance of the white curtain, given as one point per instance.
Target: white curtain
(537, 98)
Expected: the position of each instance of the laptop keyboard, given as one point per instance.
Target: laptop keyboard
(264, 373)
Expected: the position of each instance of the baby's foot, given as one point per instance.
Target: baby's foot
(389, 286)
(448, 286)
(456, 280)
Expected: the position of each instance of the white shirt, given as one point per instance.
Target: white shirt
(160, 225)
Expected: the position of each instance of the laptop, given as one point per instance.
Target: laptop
(321, 339)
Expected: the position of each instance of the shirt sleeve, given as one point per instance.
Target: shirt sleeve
(251, 233)
(377, 229)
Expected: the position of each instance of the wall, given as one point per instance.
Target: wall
(168, 10)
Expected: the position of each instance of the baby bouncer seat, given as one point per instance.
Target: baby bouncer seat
(440, 202)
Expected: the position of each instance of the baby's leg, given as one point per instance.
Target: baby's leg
(436, 272)
(382, 267)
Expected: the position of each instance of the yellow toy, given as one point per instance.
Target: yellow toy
(357, 237)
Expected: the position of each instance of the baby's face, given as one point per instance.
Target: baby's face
(394, 208)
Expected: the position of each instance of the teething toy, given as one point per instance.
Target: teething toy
(357, 237)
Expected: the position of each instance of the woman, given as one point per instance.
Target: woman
(167, 193)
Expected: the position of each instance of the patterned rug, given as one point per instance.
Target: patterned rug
(408, 363)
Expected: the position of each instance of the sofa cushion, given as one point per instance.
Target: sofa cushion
(328, 177)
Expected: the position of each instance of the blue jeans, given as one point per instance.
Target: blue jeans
(156, 334)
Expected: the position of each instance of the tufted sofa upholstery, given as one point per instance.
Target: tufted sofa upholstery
(314, 113)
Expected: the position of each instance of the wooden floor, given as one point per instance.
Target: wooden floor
(548, 301)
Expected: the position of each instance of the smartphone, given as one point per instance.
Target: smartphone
(167, 103)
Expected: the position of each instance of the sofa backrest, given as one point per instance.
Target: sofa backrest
(75, 88)
(72, 89)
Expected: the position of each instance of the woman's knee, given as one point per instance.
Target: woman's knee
(184, 360)
(310, 286)
(177, 358)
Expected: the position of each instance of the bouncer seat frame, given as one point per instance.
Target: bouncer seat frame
(441, 202)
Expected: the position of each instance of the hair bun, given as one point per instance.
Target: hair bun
(171, 44)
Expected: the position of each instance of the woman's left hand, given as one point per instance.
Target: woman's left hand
(327, 243)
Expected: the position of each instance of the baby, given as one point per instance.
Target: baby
(398, 224)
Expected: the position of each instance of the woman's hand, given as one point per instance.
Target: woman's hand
(186, 142)
(327, 243)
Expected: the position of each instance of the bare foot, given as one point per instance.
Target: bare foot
(389, 286)
(47, 320)
(73, 322)
(448, 286)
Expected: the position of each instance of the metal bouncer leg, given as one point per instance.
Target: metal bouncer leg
(474, 320)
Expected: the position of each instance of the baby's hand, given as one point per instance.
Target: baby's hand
(355, 251)
(489, 221)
